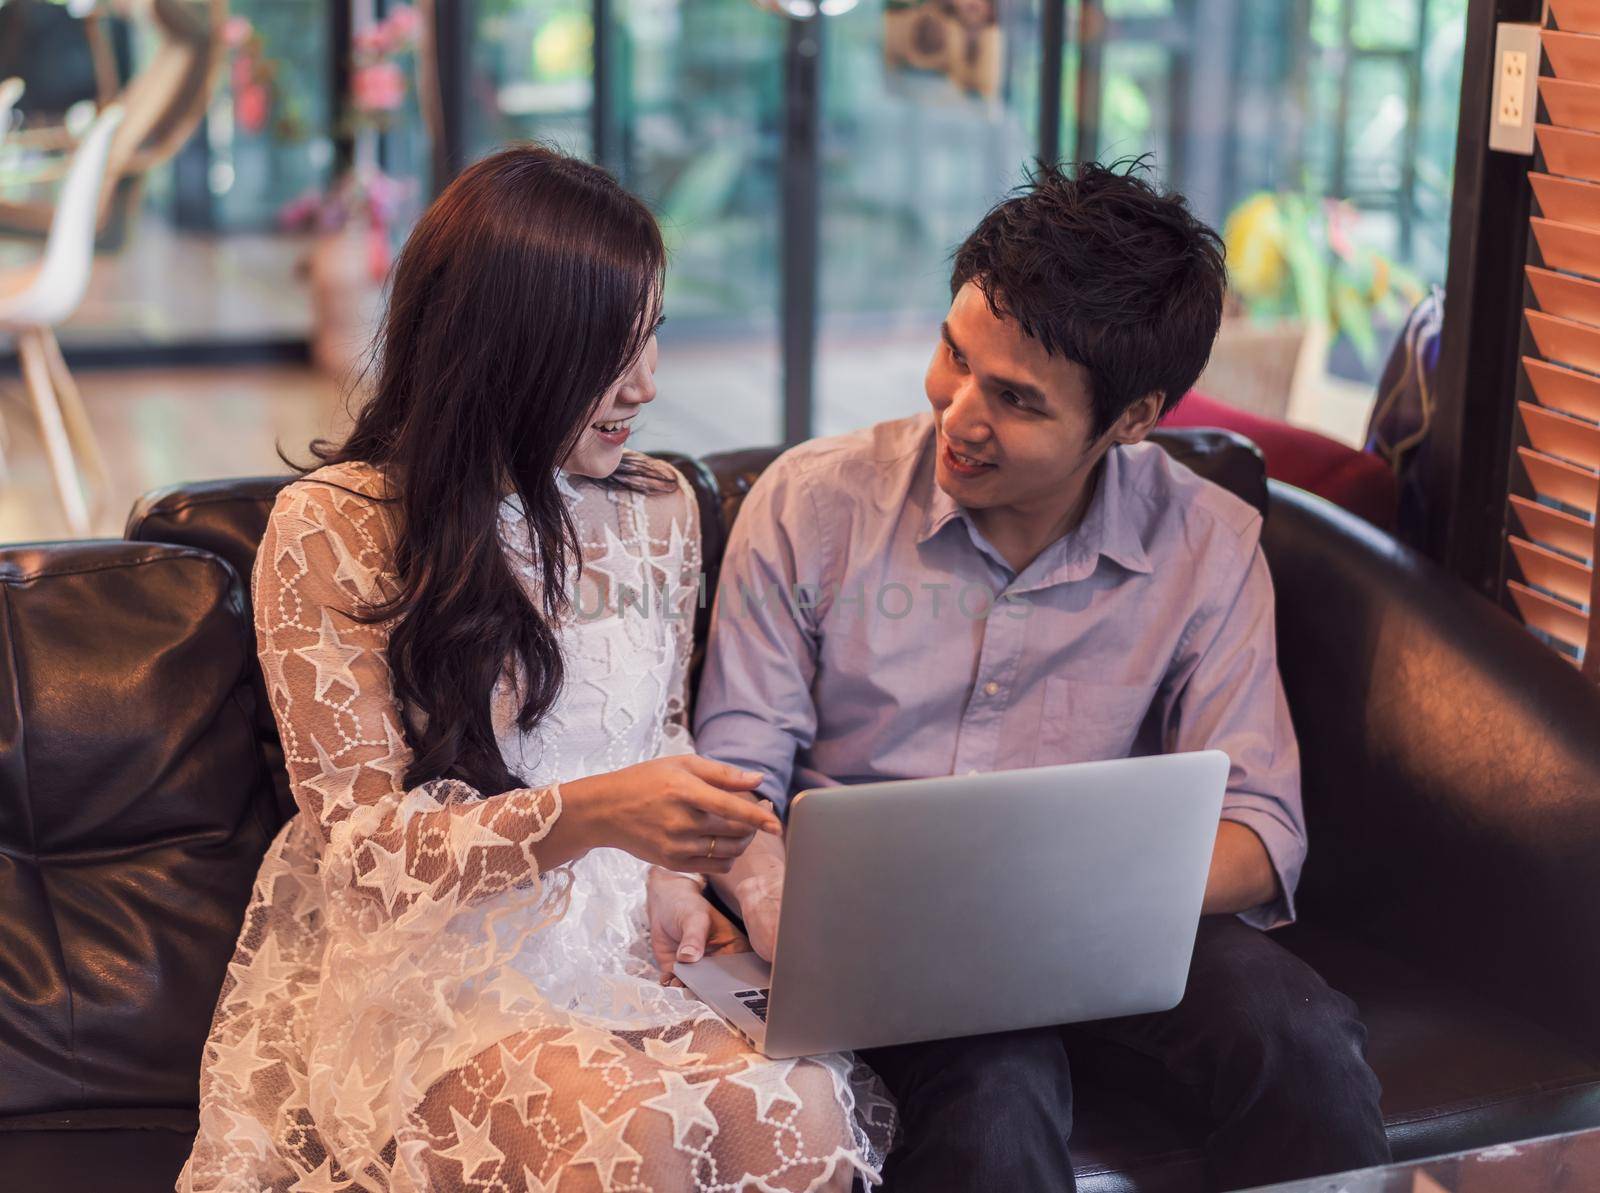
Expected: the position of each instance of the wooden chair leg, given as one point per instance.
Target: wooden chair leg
(79, 429)
(58, 448)
(5, 446)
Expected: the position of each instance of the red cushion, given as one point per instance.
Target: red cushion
(1355, 480)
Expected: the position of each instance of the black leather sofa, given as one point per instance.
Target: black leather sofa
(1452, 784)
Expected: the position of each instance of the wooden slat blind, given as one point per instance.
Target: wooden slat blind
(1552, 527)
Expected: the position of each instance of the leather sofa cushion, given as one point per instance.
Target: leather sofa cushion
(125, 1151)
(1449, 767)
(131, 818)
(227, 518)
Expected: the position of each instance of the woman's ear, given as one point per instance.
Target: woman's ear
(1139, 419)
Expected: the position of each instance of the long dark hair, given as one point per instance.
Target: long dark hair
(527, 289)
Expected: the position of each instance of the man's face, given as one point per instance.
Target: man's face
(1014, 422)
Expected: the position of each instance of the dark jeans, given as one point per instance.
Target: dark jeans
(1270, 1051)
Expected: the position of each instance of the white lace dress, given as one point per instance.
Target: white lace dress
(412, 1004)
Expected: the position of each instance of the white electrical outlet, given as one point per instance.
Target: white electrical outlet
(1515, 100)
(1513, 72)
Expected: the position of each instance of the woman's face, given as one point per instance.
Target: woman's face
(599, 449)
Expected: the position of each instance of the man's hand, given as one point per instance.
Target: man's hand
(684, 926)
(760, 898)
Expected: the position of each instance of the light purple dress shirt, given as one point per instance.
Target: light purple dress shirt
(865, 629)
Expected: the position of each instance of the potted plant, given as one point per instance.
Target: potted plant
(1298, 280)
(353, 220)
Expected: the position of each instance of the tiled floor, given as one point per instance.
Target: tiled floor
(159, 427)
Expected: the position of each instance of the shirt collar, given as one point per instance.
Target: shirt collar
(1108, 528)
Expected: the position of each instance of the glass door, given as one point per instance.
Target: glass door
(929, 115)
(699, 113)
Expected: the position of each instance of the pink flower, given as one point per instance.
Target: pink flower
(380, 87)
(298, 214)
(251, 107)
(1341, 224)
(237, 31)
(377, 252)
(402, 26)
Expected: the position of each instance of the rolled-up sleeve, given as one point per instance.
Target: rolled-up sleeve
(754, 708)
(1229, 696)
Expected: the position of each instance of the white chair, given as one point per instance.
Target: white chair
(10, 93)
(36, 298)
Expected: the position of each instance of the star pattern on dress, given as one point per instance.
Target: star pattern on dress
(674, 1052)
(626, 569)
(471, 831)
(685, 1104)
(351, 572)
(248, 1132)
(356, 1094)
(389, 875)
(604, 1146)
(296, 519)
(397, 759)
(535, 1185)
(473, 1148)
(522, 1083)
(768, 1080)
(241, 1060)
(260, 978)
(331, 658)
(321, 1181)
(335, 784)
(589, 1043)
(272, 658)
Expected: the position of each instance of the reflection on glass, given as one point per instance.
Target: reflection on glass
(190, 250)
(532, 65)
(699, 112)
(912, 156)
(1324, 128)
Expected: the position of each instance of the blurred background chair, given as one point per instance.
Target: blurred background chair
(163, 103)
(36, 298)
(10, 93)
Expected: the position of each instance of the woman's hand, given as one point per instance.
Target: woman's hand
(684, 926)
(683, 812)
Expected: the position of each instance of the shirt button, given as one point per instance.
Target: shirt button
(991, 688)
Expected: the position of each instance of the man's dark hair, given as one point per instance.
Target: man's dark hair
(1106, 271)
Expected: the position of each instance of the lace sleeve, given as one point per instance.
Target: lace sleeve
(685, 579)
(415, 854)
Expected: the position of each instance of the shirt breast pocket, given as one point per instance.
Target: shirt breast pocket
(1085, 721)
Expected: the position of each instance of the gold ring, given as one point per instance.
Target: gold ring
(711, 849)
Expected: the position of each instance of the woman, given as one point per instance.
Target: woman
(444, 979)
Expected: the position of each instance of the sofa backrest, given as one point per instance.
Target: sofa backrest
(228, 517)
(1450, 768)
(134, 809)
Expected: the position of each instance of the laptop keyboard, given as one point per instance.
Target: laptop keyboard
(755, 1001)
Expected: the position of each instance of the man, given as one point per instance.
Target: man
(1074, 594)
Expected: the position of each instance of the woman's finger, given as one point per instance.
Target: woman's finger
(730, 778)
(735, 807)
(718, 825)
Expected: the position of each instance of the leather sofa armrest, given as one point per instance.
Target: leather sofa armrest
(1451, 769)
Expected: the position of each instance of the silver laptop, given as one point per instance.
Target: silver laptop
(929, 908)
